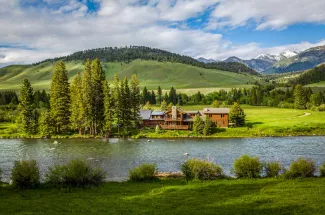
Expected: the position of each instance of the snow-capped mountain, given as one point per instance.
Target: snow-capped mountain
(269, 57)
(204, 60)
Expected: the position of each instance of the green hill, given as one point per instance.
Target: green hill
(150, 73)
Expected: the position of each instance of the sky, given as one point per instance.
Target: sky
(34, 30)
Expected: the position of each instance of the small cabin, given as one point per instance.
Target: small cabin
(219, 116)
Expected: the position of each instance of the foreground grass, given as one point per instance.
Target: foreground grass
(260, 196)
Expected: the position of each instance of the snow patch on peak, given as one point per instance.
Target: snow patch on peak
(288, 54)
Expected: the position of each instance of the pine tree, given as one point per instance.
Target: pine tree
(145, 95)
(98, 78)
(237, 115)
(60, 98)
(299, 97)
(46, 128)
(109, 105)
(28, 117)
(153, 98)
(126, 110)
(135, 101)
(87, 93)
(77, 109)
(253, 96)
(116, 93)
(198, 125)
(173, 96)
(159, 92)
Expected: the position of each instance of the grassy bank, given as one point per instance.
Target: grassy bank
(260, 122)
(260, 196)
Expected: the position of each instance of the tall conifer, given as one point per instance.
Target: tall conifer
(60, 98)
(135, 101)
(77, 110)
(87, 93)
(108, 107)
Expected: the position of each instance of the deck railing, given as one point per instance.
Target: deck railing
(175, 127)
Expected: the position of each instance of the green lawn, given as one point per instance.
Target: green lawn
(260, 196)
(150, 73)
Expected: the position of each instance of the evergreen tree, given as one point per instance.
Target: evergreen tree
(147, 106)
(146, 96)
(198, 125)
(77, 108)
(159, 94)
(109, 108)
(98, 78)
(207, 126)
(125, 100)
(153, 98)
(173, 96)
(166, 98)
(87, 93)
(163, 106)
(28, 117)
(46, 128)
(135, 101)
(253, 96)
(237, 115)
(60, 98)
(299, 97)
(117, 110)
(317, 99)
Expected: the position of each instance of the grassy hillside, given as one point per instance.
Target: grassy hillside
(150, 73)
(245, 196)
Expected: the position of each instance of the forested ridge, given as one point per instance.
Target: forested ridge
(127, 54)
(312, 76)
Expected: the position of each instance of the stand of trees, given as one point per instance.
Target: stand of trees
(298, 97)
(89, 105)
(127, 54)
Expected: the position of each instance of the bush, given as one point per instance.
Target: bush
(301, 168)
(144, 172)
(77, 173)
(321, 107)
(272, 169)
(247, 167)
(201, 170)
(25, 174)
(322, 170)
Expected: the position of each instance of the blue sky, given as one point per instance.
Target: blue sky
(40, 29)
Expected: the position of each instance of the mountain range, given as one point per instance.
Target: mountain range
(288, 61)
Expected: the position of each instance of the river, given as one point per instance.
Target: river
(117, 156)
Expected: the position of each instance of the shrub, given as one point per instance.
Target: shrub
(322, 170)
(321, 107)
(301, 168)
(77, 173)
(25, 174)
(144, 172)
(272, 169)
(201, 170)
(247, 167)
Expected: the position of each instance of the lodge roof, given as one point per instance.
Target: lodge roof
(158, 113)
(216, 110)
(145, 114)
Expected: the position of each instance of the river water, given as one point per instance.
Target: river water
(117, 156)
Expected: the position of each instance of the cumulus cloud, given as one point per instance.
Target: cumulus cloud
(60, 27)
(273, 14)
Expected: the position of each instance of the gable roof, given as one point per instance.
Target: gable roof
(216, 110)
(145, 114)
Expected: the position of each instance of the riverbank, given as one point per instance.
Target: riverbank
(173, 196)
(260, 122)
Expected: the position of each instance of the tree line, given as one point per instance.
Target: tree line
(297, 96)
(89, 105)
(127, 54)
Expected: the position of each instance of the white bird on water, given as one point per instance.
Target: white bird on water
(186, 154)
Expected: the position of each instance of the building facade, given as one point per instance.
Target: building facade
(177, 119)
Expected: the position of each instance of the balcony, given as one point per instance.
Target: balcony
(170, 119)
(174, 127)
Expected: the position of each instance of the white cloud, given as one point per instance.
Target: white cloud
(67, 27)
(273, 14)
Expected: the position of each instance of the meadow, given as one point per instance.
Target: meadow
(173, 196)
(150, 73)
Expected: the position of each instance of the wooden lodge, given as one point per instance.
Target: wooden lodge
(178, 119)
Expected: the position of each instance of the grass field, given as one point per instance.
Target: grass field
(150, 73)
(260, 196)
